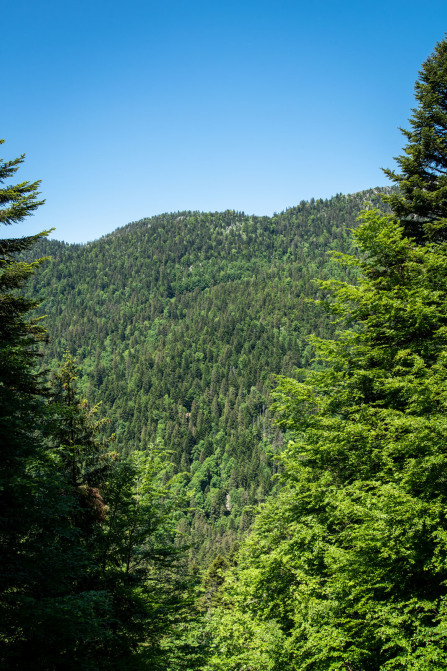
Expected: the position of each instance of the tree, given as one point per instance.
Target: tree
(138, 562)
(21, 404)
(350, 560)
(123, 556)
(84, 455)
(48, 611)
(87, 558)
(19, 335)
(421, 202)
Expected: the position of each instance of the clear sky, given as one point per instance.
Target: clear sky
(127, 110)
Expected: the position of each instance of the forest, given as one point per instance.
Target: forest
(223, 435)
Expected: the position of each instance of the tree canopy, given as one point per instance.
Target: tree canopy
(421, 202)
(346, 568)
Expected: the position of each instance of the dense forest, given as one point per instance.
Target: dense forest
(223, 436)
(179, 324)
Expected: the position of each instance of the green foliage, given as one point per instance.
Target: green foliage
(178, 323)
(100, 566)
(66, 600)
(139, 563)
(348, 562)
(122, 514)
(21, 404)
(421, 203)
(242, 643)
(82, 449)
(212, 581)
(19, 335)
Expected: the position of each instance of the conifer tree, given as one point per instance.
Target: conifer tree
(349, 562)
(20, 409)
(121, 550)
(421, 203)
(87, 557)
(19, 334)
(48, 611)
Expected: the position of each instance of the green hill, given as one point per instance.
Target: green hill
(179, 323)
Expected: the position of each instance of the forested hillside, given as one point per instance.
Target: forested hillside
(225, 349)
(180, 322)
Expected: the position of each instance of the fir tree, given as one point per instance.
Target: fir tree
(349, 562)
(19, 334)
(21, 403)
(48, 611)
(421, 203)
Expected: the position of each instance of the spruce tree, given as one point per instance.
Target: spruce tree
(21, 404)
(348, 565)
(19, 334)
(48, 611)
(421, 203)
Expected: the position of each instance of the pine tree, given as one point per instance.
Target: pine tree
(138, 562)
(346, 568)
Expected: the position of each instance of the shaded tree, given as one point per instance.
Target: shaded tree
(21, 411)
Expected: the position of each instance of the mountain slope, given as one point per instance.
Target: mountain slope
(179, 323)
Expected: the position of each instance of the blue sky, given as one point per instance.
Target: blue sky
(127, 110)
